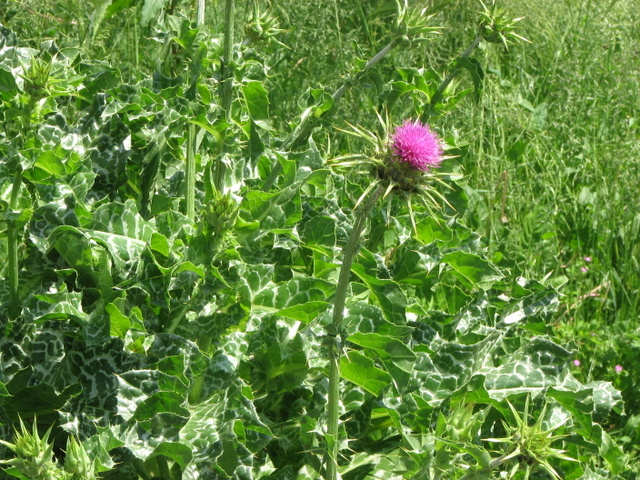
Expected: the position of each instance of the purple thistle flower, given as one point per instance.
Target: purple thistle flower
(618, 368)
(576, 362)
(415, 144)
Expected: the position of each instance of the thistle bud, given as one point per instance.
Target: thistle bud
(221, 214)
(34, 455)
(77, 461)
(36, 78)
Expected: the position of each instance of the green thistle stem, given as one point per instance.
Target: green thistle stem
(369, 65)
(333, 404)
(12, 247)
(190, 171)
(443, 86)
(12, 228)
(227, 72)
(190, 174)
(195, 393)
(200, 13)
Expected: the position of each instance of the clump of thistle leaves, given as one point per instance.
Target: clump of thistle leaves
(529, 446)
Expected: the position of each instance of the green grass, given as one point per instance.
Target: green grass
(559, 124)
(559, 117)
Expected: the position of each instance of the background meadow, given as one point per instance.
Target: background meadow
(145, 318)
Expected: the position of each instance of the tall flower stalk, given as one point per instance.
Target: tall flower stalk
(226, 82)
(36, 78)
(12, 247)
(413, 152)
(335, 353)
(190, 170)
(190, 173)
(190, 184)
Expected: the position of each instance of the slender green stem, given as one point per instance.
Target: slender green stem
(136, 48)
(227, 70)
(12, 247)
(190, 173)
(12, 227)
(195, 393)
(163, 467)
(205, 342)
(302, 132)
(226, 87)
(177, 319)
(333, 403)
(443, 86)
(369, 65)
(200, 13)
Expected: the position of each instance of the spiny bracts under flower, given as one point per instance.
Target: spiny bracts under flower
(415, 144)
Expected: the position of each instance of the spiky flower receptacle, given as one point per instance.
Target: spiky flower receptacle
(415, 149)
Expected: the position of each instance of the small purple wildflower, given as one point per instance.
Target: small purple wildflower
(618, 368)
(576, 362)
(584, 269)
(414, 143)
(586, 259)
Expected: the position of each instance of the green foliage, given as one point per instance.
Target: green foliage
(150, 344)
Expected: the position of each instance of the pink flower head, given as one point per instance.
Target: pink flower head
(618, 368)
(415, 144)
(576, 362)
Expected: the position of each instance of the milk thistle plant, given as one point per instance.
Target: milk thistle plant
(406, 161)
(175, 324)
